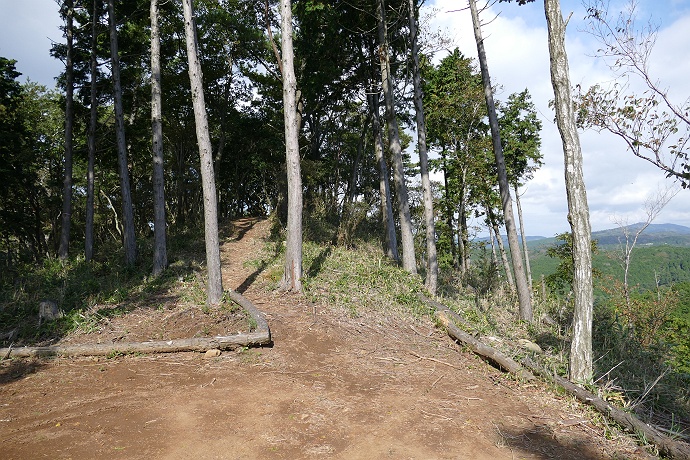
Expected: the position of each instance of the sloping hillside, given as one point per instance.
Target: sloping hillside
(336, 383)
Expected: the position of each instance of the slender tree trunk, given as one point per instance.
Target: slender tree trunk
(292, 276)
(93, 121)
(129, 238)
(524, 296)
(361, 145)
(449, 210)
(222, 138)
(63, 250)
(347, 220)
(494, 257)
(528, 268)
(432, 258)
(180, 217)
(463, 243)
(214, 290)
(160, 254)
(578, 209)
(501, 249)
(408, 257)
(390, 237)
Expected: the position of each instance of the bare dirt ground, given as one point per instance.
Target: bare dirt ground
(331, 386)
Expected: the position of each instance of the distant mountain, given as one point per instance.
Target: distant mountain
(662, 254)
(654, 235)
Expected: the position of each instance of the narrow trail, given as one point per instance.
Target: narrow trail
(332, 386)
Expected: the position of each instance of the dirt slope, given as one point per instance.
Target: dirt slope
(332, 386)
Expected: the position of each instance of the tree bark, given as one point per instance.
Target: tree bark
(449, 212)
(93, 121)
(292, 275)
(160, 255)
(390, 237)
(578, 209)
(129, 238)
(63, 250)
(501, 248)
(528, 268)
(524, 296)
(432, 258)
(408, 257)
(214, 290)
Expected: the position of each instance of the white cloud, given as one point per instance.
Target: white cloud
(517, 54)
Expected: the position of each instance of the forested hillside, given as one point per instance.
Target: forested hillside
(662, 256)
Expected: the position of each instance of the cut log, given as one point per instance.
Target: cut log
(667, 446)
(484, 351)
(242, 301)
(261, 336)
(446, 316)
(163, 346)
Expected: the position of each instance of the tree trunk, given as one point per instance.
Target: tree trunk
(449, 211)
(129, 238)
(160, 255)
(214, 291)
(463, 243)
(292, 276)
(93, 121)
(406, 236)
(432, 258)
(391, 239)
(528, 268)
(524, 296)
(501, 248)
(494, 257)
(63, 250)
(578, 209)
(180, 217)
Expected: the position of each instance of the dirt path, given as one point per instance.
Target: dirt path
(332, 386)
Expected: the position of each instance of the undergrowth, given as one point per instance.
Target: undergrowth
(89, 293)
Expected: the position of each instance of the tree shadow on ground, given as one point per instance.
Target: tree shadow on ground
(242, 288)
(238, 229)
(543, 442)
(17, 369)
(317, 263)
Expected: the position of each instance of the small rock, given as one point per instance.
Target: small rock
(531, 346)
(212, 353)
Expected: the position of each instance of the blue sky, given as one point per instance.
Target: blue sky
(617, 182)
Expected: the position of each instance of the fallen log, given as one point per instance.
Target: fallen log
(242, 301)
(667, 446)
(445, 316)
(162, 346)
(261, 336)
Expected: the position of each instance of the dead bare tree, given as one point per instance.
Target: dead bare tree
(653, 205)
